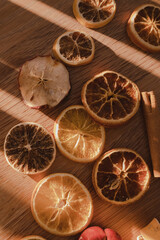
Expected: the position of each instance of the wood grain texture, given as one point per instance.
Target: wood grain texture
(29, 28)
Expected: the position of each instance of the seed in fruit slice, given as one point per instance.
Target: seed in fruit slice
(94, 14)
(144, 27)
(33, 237)
(110, 98)
(78, 136)
(61, 204)
(29, 148)
(74, 48)
(43, 81)
(121, 176)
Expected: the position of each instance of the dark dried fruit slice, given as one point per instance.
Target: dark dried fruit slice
(94, 13)
(121, 176)
(29, 148)
(43, 81)
(74, 48)
(144, 27)
(110, 98)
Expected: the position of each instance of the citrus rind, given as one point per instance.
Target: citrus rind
(119, 176)
(67, 49)
(33, 237)
(97, 8)
(21, 143)
(96, 145)
(78, 186)
(106, 95)
(134, 29)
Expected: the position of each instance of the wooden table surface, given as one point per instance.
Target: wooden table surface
(28, 28)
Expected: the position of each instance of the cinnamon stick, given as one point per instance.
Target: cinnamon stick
(152, 119)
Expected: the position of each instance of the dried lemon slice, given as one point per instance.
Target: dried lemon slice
(33, 237)
(78, 136)
(110, 98)
(29, 148)
(94, 13)
(61, 204)
(43, 81)
(121, 176)
(74, 48)
(144, 27)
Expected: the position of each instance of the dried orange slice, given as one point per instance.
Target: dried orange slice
(144, 27)
(110, 98)
(121, 176)
(29, 148)
(94, 13)
(74, 48)
(33, 237)
(61, 204)
(78, 136)
(43, 81)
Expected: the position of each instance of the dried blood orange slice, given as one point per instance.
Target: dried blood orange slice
(110, 98)
(61, 204)
(144, 27)
(78, 136)
(121, 176)
(43, 81)
(33, 237)
(74, 48)
(29, 148)
(94, 13)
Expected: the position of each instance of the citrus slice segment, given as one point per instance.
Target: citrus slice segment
(144, 27)
(29, 148)
(74, 48)
(110, 98)
(94, 13)
(78, 136)
(61, 204)
(121, 176)
(43, 81)
(33, 237)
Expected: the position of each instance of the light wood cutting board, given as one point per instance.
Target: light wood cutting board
(27, 29)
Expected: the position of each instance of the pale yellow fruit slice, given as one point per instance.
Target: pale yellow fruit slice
(61, 204)
(33, 237)
(78, 136)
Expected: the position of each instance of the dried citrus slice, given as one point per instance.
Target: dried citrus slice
(94, 13)
(29, 148)
(43, 81)
(144, 27)
(74, 48)
(78, 136)
(33, 237)
(61, 204)
(110, 98)
(121, 176)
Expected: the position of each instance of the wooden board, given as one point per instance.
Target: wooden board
(29, 28)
